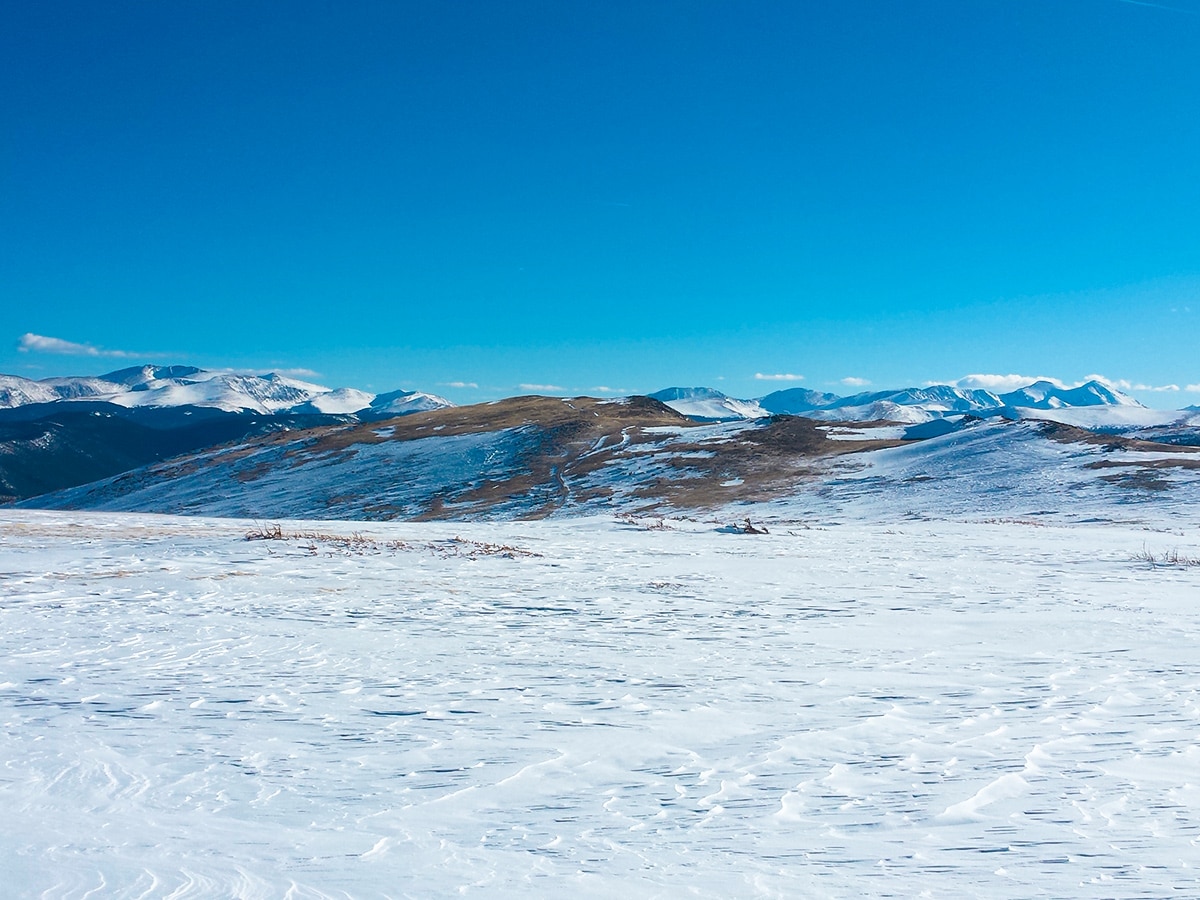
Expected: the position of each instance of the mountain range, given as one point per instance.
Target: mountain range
(185, 440)
(176, 386)
(909, 405)
(60, 432)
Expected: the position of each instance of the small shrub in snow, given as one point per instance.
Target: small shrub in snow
(644, 524)
(358, 543)
(1169, 558)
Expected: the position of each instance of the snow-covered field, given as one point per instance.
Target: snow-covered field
(923, 708)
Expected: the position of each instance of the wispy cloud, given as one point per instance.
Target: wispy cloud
(39, 343)
(851, 381)
(782, 376)
(541, 387)
(298, 373)
(1179, 9)
(458, 384)
(1157, 388)
(290, 373)
(601, 389)
(1193, 388)
(1122, 384)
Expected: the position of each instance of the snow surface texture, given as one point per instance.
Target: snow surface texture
(848, 710)
(993, 470)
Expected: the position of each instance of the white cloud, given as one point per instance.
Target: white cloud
(1193, 388)
(1121, 384)
(601, 389)
(38, 343)
(1178, 9)
(1001, 384)
(458, 384)
(297, 373)
(290, 373)
(540, 387)
(783, 376)
(851, 381)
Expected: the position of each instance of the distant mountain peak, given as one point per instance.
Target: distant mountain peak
(708, 405)
(910, 405)
(687, 393)
(1048, 395)
(791, 401)
(145, 374)
(188, 386)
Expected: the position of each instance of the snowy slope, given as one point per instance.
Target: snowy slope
(591, 709)
(16, 391)
(402, 403)
(708, 405)
(1121, 418)
(795, 401)
(873, 411)
(512, 459)
(1029, 470)
(545, 456)
(341, 401)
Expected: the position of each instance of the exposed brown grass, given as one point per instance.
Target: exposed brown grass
(1070, 434)
(568, 441)
(360, 544)
(1145, 464)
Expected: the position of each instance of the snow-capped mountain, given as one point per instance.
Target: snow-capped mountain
(910, 405)
(17, 391)
(167, 386)
(1047, 395)
(708, 405)
(401, 403)
(796, 401)
(60, 432)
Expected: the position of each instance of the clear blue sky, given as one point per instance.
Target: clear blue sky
(608, 194)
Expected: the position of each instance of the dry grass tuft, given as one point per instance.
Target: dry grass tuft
(1170, 558)
(359, 544)
(644, 524)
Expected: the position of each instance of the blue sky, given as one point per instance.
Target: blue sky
(473, 198)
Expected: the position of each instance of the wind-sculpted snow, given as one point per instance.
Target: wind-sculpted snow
(1008, 469)
(594, 709)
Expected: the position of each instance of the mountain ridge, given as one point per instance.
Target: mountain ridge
(534, 456)
(158, 386)
(60, 433)
(911, 405)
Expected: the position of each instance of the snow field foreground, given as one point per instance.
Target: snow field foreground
(582, 707)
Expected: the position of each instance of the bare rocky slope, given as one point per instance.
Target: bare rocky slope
(521, 457)
(530, 457)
